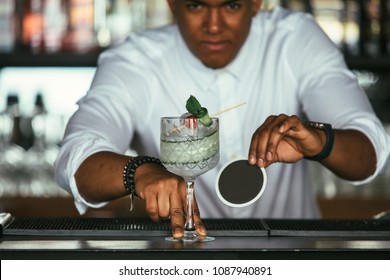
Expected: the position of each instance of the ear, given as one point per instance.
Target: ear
(256, 5)
(171, 4)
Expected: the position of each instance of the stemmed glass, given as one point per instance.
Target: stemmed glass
(189, 149)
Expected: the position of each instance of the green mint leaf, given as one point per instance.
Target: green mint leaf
(193, 106)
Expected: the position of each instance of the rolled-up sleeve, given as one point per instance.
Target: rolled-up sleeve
(68, 161)
(331, 93)
(101, 123)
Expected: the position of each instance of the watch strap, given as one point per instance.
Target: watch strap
(329, 140)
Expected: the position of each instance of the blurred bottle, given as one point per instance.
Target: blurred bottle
(33, 25)
(38, 121)
(370, 27)
(54, 25)
(385, 23)
(7, 121)
(7, 25)
(119, 20)
(11, 154)
(158, 13)
(102, 30)
(21, 131)
(13, 111)
(80, 37)
(270, 4)
(139, 9)
(352, 27)
(297, 5)
(39, 159)
(330, 16)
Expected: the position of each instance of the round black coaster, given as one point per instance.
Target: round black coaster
(240, 184)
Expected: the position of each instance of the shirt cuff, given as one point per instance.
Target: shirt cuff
(381, 143)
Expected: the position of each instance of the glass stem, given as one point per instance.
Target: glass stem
(189, 227)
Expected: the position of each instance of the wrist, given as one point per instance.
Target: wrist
(329, 142)
(130, 169)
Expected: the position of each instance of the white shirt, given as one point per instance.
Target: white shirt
(287, 65)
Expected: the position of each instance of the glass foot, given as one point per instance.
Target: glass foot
(190, 239)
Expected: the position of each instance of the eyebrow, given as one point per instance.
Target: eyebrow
(222, 3)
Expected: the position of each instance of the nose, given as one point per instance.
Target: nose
(214, 21)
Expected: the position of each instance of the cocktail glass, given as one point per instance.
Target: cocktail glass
(189, 149)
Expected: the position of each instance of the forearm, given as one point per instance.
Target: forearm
(100, 177)
(353, 156)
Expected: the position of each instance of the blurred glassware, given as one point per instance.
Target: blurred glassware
(39, 159)
(371, 27)
(54, 25)
(80, 36)
(33, 25)
(158, 14)
(11, 155)
(329, 15)
(7, 25)
(352, 27)
(385, 8)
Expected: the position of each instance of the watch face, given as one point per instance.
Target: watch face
(240, 184)
(318, 125)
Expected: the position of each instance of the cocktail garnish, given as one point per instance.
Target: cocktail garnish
(193, 107)
(190, 121)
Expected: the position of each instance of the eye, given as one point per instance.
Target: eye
(233, 5)
(194, 6)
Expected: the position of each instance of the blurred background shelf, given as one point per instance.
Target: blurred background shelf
(25, 59)
(375, 64)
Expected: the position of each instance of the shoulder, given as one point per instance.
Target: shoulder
(281, 19)
(296, 33)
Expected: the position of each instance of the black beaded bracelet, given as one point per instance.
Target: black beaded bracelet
(130, 168)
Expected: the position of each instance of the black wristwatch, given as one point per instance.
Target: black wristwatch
(329, 140)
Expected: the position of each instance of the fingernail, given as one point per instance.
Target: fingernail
(269, 156)
(201, 230)
(252, 160)
(260, 162)
(177, 233)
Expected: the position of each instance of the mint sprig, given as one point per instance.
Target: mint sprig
(193, 107)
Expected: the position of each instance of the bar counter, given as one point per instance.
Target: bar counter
(110, 238)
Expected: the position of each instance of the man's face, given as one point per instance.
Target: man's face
(214, 30)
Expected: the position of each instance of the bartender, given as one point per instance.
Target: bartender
(302, 104)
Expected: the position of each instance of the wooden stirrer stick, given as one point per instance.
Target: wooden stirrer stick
(228, 109)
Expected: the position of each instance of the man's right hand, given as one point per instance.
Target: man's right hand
(165, 196)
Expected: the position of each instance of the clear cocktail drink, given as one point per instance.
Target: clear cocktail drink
(189, 149)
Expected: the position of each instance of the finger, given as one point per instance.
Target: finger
(152, 206)
(163, 205)
(177, 215)
(258, 143)
(290, 125)
(272, 145)
(271, 125)
(200, 228)
(279, 128)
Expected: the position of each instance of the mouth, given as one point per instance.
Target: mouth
(214, 46)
